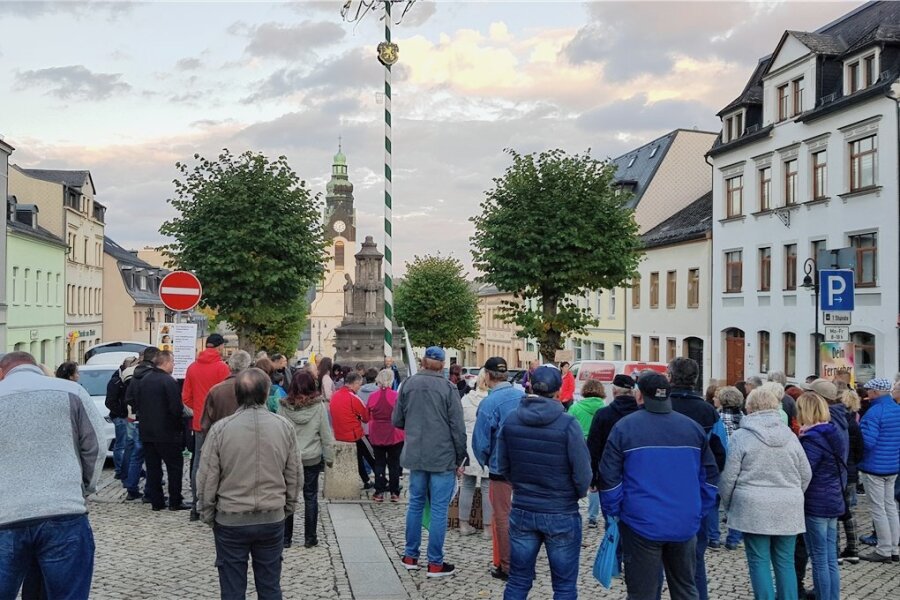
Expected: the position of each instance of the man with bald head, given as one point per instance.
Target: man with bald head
(43, 515)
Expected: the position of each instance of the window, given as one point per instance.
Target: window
(598, 351)
(852, 77)
(142, 283)
(654, 290)
(790, 267)
(635, 347)
(25, 287)
(37, 287)
(820, 175)
(727, 134)
(868, 70)
(693, 288)
(782, 102)
(612, 303)
(864, 344)
(765, 269)
(654, 349)
(790, 354)
(617, 351)
(339, 255)
(814, 248)
(631, 161)
(671, 289)
(790, 182)
(85, 251)
(653, 151)
(765, 188)
(734, 192)
(764, 352)
(862, 163)
(797, 93)
(866, 246)
(636, 292)
(48, 290)
(738, 125)
(734, 266)
(15, 285)
(670, 350)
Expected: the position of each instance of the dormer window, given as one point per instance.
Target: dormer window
(783, 102)
(797, 94)
(631, 162)
(861, 73)
(653, 151)
(733, 127)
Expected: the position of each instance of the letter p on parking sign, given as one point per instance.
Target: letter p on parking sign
(836, 292)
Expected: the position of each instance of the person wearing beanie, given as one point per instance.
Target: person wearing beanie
(541, 451)
(658, 477)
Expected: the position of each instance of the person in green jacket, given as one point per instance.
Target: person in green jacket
(593, 395)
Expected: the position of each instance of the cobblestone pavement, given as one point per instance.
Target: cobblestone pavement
(161, 555)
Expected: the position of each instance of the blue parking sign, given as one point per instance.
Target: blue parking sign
(836, 293)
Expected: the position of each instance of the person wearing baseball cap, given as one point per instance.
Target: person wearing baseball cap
(431, 415)
(658, 476)
(502, 399)
(880, 428)
(541, 451)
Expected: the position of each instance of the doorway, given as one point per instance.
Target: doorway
(693, 349)
(734, 355)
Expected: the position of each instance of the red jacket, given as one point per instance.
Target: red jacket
(567, 391)
(205, 372)
(348, 413)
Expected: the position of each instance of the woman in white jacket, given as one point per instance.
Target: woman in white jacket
(473, 474)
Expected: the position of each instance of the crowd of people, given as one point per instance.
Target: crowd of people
(784, 463)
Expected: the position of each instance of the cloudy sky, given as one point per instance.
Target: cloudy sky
(127, 89)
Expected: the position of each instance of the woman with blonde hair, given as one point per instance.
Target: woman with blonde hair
(824, 498)
(762, 487)
(387, 440)
(474, 475)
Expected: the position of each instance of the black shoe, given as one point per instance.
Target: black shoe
(849, 556)
(157, 508)
(287, 544)
(310, 543)
(146, 500)
(129, 497)
(444, 569)
(895, 557)
(181, 506)
(195, 516)
(499, 573)
(368, 485)
(117, 476)
(875, 557)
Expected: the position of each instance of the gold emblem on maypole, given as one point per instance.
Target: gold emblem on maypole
(388, 53)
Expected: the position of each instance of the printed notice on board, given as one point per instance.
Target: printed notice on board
(180, 339)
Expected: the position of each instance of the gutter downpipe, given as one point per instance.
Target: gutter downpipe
(890, 93)
(711, 251)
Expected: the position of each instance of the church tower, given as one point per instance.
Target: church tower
(340, 218)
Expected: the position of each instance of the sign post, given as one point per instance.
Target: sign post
(837, 301)
(838, 293)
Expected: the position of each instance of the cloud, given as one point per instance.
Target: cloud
(30, 9)
(188, 64)
(290, 42)
(73, 82)
(638, 114)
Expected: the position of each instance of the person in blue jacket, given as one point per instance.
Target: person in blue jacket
(880, 428)
(502, 399)
(658, 477)
(541, 451)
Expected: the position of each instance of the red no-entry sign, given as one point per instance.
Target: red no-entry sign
(180, 291)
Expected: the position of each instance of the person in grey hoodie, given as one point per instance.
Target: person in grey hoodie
(762, 487)
(305, 408)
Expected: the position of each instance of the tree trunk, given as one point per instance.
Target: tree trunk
(245, 340)
(549, 341)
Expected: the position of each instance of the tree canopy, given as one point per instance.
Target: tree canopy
(249, 228)
(435, 303)
(553, 228)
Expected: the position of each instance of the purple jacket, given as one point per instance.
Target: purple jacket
(825, 448)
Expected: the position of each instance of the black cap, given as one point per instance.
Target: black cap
(653, 385)
(214, 341)
(496, 364)
(623, 381)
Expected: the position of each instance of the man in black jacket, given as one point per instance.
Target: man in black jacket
(683, 374)
(623, 404)
(118, 412)
(159, 408)
(136, 448)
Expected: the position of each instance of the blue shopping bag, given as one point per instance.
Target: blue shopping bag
(606, 564)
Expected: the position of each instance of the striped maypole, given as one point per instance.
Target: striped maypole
(388, 200)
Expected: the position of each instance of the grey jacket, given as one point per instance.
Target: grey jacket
(765, 476)
(430, 413)
(315, 439)
(54, 446)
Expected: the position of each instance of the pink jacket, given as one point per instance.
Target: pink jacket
(381, 430)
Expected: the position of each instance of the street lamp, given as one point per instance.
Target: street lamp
(811, 282)
(151, 319)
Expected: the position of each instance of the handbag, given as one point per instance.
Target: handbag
(606, 563)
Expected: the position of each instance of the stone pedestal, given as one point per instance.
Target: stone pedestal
(360, 343)
(342, 480)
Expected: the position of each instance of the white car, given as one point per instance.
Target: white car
(94, 379)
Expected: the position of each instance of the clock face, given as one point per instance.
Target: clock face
(339, 226)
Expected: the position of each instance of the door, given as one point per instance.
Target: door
(734, 356)
(694, 351)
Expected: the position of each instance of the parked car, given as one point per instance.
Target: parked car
(606, 370)
(94, 379)
(117, 351)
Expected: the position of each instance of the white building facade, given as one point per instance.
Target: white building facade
(808, 161)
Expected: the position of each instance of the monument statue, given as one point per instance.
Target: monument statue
(348, 296)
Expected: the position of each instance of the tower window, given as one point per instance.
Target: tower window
(339, 255)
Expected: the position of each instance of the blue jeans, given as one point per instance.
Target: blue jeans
(438, 488)
(734, 537)
(63, 548)
(560, 533)
(768, 552)
(711, 523)
(135, 460)
(119, 457)
(593, 506)
(700, 573)
(821, 545)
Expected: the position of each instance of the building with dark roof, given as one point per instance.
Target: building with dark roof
(806, 163)
(133, 309)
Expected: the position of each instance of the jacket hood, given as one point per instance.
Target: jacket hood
(592, 401)
(128, 373)
(768, 428)
(475, 397)
(624, 405)
(209, 356)
(827, 431)
(142, 369)
(369, 387)
(839, 416)
(535, 410)
(303, 412)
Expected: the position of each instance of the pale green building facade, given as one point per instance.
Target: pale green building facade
(35, 272)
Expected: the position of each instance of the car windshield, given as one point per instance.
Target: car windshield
(94, 381)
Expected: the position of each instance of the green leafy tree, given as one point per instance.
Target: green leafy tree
(554, 227)
(435, 303)
(249, 228)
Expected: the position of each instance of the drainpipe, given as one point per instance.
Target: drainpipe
(708, 351)
(890, 93)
